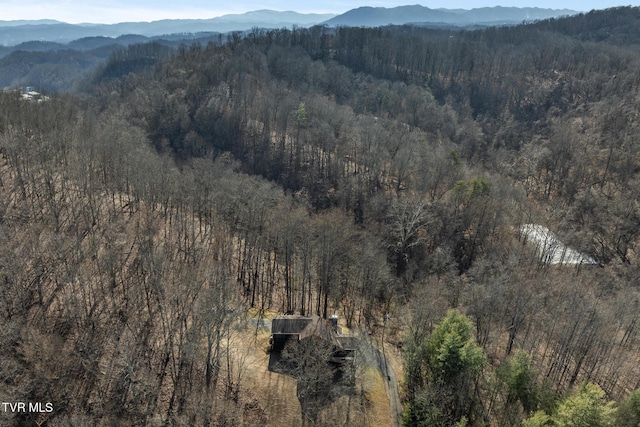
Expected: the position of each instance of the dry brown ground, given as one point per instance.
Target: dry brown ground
(276, 393)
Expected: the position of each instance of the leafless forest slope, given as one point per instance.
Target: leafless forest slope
(378, 174)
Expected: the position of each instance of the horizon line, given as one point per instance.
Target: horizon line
(215, 15)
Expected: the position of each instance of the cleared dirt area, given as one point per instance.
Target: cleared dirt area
(276, 393)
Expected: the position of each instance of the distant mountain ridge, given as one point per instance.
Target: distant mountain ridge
(15, 32)
(380, 16)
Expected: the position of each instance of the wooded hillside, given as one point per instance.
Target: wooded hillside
(378, 174)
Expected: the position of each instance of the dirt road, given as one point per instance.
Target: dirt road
(377, 359)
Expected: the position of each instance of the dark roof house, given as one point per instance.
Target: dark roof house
(318, 356)
(286, 328)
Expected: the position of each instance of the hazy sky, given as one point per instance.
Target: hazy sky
(110, 11)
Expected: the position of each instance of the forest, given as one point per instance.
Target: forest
(378, 174)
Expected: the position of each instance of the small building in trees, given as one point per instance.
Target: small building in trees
(29, 94)
(550, 250)
(285, 329)
(318, 355)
